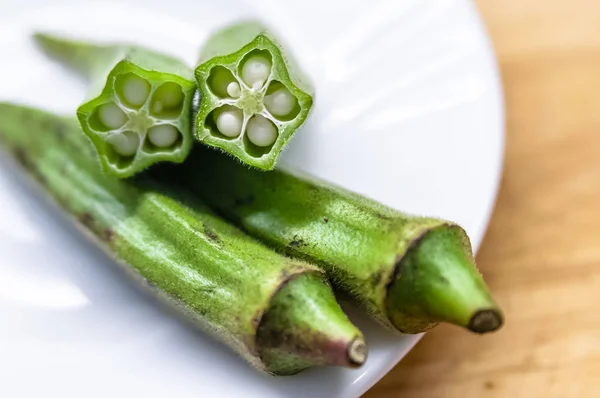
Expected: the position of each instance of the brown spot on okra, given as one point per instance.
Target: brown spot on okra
(22, 157)
(296, 242)
(257, 318)
(326, 220)
(108, 235)
(212, 235)
(87, 219)
(398, 264)
(377, 277)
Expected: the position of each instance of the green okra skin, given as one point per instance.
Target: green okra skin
(408, 272)
(254, 96)
(138, 106)
(278, 313)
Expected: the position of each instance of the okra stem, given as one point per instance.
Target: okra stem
(408, 272)
(278, 313)
(132, 91)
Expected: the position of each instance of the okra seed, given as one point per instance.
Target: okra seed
(163, 135)
(135, 90)
(233, 89)
(229, 123)
(125, 144)
(111, 115)
(255, 71)
(280, 102)
(261, 131)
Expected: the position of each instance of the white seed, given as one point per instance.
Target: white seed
(229, 123)
(233, 89)
(280, 102)
(170, 96)
(256, 71)
(135, 90)
(163, 135)
(126, 144)
(111, 115)
(261, 131)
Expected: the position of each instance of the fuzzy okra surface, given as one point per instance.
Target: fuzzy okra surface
(278, 313)
(408, 272)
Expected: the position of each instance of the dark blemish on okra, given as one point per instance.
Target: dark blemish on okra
(326, 220)
(212, 235)
(296, 242)
(108, 234)
(398, 261)
(384, 217)
(23, 158)
(377, 277)
(257, 318)
(87, 219)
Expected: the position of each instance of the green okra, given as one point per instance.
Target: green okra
(253, 95)
(138, 106)
(278, 313)
(408, 272)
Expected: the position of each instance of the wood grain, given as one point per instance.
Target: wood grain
(541, 255)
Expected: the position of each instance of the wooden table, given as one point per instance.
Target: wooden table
(541, 255)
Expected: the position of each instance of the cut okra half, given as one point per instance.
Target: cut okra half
(140, 118)
(254, 97)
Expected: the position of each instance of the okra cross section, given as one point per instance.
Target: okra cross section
(137, 119)
(139, 102)
(254, 96)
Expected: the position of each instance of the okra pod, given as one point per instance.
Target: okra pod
(278, 313)
(253, 94)
(138, 106)
(408, 272)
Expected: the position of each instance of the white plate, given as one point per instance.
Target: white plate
(408, 111)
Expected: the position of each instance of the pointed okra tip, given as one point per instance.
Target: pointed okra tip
(437, 281)
(304, 327)
(251, 106)
(139, 120)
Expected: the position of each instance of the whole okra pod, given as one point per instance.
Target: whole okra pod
(253, 94)
(408, 272)
(278, 313)
(138, 110)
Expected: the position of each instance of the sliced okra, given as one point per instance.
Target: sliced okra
(254, 96)
(137, 113)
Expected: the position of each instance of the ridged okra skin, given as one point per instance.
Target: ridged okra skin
(253, 94)
(408, 272)
(138, 106)
(278, 313)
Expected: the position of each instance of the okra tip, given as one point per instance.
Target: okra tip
(304, 327)
(357, 352)
(486, 321)
(437, 281)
